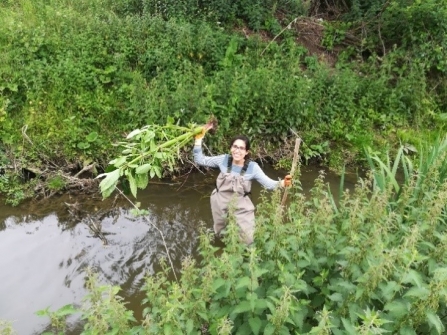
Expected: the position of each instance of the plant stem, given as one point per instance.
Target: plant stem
(182, 139)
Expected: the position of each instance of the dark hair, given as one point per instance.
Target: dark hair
(242, 138)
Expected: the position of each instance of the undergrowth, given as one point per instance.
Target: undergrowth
(370, 261)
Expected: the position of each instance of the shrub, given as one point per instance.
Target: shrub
(361, 262)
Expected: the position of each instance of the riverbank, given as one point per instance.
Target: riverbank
(69, 91)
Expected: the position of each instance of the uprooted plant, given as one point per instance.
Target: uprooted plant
(147, 152)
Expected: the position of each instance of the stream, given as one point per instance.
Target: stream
(46, 246)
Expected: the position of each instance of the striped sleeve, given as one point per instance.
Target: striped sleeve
(209, 161)
(262, 178)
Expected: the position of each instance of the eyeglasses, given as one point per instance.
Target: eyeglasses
(235, 147)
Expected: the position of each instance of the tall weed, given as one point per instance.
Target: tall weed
(372, 261)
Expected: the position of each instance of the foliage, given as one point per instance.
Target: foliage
(256, 14)
(56, 183)
(13, 188)
(424, 33)
(6, 328)
(371, 261)
(81, 75)
(57, 318)
(148, 152)
(104, 311)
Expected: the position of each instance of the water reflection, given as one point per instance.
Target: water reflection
(46, 247)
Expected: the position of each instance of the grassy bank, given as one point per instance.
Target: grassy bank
(77, 76)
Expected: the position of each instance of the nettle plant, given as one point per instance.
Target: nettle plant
(370, 261)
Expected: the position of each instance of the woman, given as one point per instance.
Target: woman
(234, 180)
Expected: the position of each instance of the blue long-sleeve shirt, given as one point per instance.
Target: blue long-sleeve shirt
(254, 171)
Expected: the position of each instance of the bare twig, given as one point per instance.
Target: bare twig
(187, 175)
(279, 34)
(25, 136)
(85, 168)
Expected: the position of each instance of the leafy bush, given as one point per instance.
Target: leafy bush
(421, 28)
(367, 262)
(6, 328)
(80, 75)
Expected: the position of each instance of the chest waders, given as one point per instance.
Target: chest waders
(230, 187)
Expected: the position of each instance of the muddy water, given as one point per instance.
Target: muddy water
(46, 247)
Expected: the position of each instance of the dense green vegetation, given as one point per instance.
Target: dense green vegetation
(76, 76)
(371, 261)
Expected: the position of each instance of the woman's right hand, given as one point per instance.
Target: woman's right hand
(201, 135)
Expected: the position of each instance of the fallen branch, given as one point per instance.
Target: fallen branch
(84, 169)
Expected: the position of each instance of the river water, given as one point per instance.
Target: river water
(46, 246)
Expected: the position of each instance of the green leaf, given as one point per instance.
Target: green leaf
(134, 133)
(244, 306)
(109, 181)
(413, 277)
(142, 180)
(261, 304)
(259, 272)
(158, 171)
(189, 326)
(389, 289)
(119, 161)
(167, 328)
(252, 297)
(243, 329)
(219, 282)
(298, 317)
(433, 320)
(407, 330)
(255, 325)
(66, 310)
(83, 145)
(336, 297)
(270, 306)
(418, 292)
(132, 184)
(143, 168)
(223, 291)
(203, 315)
(269, 330)
(43, 312)
(92, 137)
(349, 327)
(243, 282)
(106, 193)
(397, 308)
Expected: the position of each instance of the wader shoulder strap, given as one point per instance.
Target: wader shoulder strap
(229, 163)
(244, 168)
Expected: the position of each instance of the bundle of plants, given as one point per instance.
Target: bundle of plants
(147, 153)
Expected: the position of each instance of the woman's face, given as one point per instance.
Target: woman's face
(238, 150)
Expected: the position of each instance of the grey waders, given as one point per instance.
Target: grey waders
(230, 187)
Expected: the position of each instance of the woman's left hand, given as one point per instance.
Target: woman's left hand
(287, 181)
